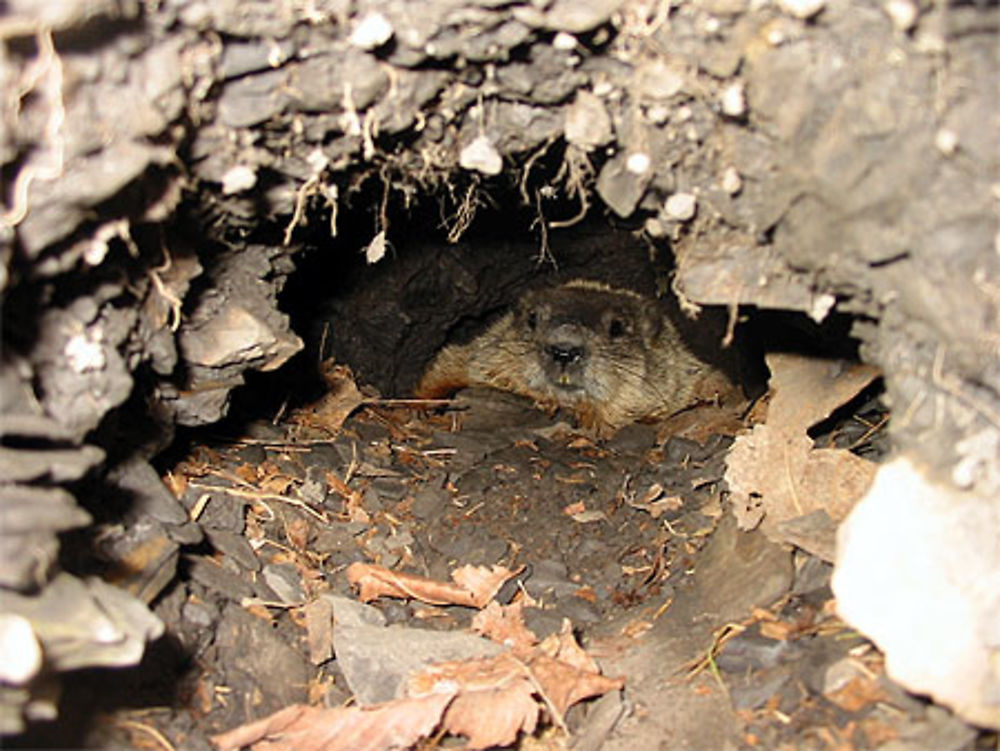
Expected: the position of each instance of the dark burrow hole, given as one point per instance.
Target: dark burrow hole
(386, 321)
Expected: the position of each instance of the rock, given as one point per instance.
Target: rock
(734, 100)
(481, 156)
(371, 32)
(377, 659)
(739, 571)
(681, 207)
(941, 550)
(30, 518)
(802, 9)
(588, 124)
(620, 187)
(86, 623)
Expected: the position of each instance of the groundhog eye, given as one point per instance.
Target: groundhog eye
(532, 320)
(616, 329)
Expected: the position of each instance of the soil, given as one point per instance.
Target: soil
(725, 640)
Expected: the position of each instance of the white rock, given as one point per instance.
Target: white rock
(371, 32)
(946, 141)
(237, 179)
(918, 572)
(20, 652)
(654, 227)
(564, 41)
(802, 9)
(481, 155)
(660, 80)
(734, 100)
(658, 114)
(588, 124)
(681, 206)
(732, 181)
(375, 250)
(902, 13)
(638, 163)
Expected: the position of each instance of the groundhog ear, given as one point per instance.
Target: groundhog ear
(650, 319)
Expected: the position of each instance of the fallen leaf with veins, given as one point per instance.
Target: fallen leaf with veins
(774, 473)
(496, 695)
(473, 586)
(505, 625)
(397, 724)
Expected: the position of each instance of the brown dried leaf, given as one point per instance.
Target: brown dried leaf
(495, 698)
(397, 724)
(773, 472)
(342, 398)
(353, 499)
(247, 473)
(564, 647)
(498, 697)
(504, 624)
(493, 717)
(474, 586)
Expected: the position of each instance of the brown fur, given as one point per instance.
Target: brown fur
(608, 355)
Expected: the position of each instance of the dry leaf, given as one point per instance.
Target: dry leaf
(398, 724)
(337, 404)
(504, 624)
(474, 586)
(773, 472)
(653, 502)
(353, 499)
(496, 696)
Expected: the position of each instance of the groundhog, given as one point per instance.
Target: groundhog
(608, 355)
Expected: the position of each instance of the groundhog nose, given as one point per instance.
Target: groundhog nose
(565, 354)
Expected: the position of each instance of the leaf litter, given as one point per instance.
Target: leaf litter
(490, 701)
(775, 474)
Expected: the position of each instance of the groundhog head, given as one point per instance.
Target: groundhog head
(587, 341)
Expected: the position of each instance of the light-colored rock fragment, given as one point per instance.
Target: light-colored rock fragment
(946, 141)
(802, 9)
(20, 652)
(902, 13)
(681, 207)
(734, 100)
(481, 156)
(732, 181)
(588, 124)
(237, 179)
(372, 31)
(638, 163)
(918, 572)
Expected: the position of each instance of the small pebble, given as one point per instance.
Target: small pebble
(654, 228)
(902, 13)
(588, 124)
(19, 647)
(372, 31)
(681, 206)
(564, 41)
(802, 9)
(658, 114)
(481, 155)
(237, 179)
(946, 141)
(732, 182)
(638, 163)
(734, 100)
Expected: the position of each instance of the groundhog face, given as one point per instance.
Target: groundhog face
(585, 344)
